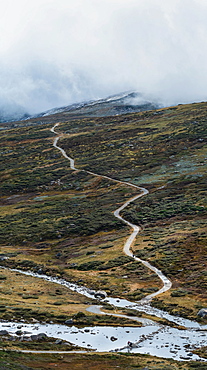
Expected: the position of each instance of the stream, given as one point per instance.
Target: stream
(152, 338)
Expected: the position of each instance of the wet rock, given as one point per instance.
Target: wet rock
(113, 339)
(100, 294)
(18, 332)
(202, 312)
(4, 332)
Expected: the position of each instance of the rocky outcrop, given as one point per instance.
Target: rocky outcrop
(3, 332)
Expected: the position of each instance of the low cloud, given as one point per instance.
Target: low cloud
(54, 53)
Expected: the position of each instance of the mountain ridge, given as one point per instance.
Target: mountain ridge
(126, 102)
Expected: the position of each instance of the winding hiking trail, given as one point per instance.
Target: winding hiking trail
(153, 338)
(129, 242)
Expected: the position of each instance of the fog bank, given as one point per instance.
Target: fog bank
(54, 53)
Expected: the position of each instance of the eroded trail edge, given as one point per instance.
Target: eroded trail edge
(129, 242)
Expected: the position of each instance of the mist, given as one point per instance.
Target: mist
(54, 53)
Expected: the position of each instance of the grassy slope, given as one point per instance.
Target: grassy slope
(17, 361)
(166, 152)
(47, 210)
(55, 217)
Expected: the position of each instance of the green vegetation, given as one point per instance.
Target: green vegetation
(60, 222)
(17, 361)
(98, 265)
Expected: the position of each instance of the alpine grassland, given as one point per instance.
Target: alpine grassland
(60, 222)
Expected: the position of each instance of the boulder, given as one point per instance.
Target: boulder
(34, 337)
(24, 339)
(19, 332)
(202, 312)
(4, 332)
(40, 336)
(100, 294)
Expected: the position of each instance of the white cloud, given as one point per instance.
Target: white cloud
(56, 52)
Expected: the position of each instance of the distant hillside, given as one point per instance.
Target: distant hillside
(128, 102)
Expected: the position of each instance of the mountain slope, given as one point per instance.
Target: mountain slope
(61, 221)
(112, 105)
(117, 104)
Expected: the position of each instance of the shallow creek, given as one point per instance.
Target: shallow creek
(152, 338)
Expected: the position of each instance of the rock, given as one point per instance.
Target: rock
(18, 332)
(11, 338)
(69, 322)
(34, 320)
(58, 341)
(4, 332)
(41, 336)
(113, 339)
(58, 255)
(33, 337)
(202, 312)
(100, 294)
(131, 344)
(26, 339)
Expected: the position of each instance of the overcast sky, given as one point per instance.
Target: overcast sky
(56, 52)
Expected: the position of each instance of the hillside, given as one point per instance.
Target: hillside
(60, 222)
(126, 102)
